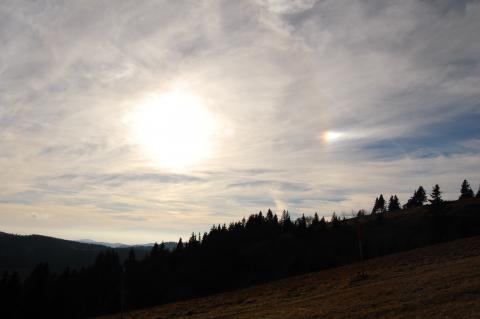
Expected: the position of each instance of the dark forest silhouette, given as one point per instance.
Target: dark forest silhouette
(23, 252)
(258, 249)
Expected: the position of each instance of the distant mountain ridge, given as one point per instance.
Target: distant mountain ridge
(170, 245)
(111, 245)
(22, 252)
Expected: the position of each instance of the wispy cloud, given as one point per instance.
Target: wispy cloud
(398, 79)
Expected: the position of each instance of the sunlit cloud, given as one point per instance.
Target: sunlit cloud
(144, 121)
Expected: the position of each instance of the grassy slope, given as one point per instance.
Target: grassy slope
(441, 281)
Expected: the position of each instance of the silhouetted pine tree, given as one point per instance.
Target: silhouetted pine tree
(193, 241)
(275, 219)
(180, 245)
(466, 191)
(154, 251)
(334, 220)
(478, 193)
(361, 213)
(315, 220)
(419, 197)
(269, 215)
(411, 201)
(261, 219)
(322, 224)
(390, 203)
(285, 219)
(397, 201)
(393, 204)
(436, 196)
(375, 206)
(301, 222)
(379, 206)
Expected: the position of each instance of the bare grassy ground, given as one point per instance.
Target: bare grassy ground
(441, 281)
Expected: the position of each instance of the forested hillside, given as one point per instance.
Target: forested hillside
(22, 253)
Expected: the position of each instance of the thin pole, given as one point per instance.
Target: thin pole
(122, 293)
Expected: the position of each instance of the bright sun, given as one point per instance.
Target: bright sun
(175, 129)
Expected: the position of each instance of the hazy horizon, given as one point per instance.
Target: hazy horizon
(146, 121)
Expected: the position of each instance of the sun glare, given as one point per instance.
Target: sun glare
(175, 129)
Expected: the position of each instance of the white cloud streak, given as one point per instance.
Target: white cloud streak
(277, 73)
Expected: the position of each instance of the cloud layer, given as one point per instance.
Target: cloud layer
(398, 79)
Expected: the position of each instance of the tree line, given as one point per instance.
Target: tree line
(419, 197)
(260, 248)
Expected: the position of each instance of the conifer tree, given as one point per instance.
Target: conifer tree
(466, 191)
(419, 197)
(397, 201)
(436, 196)
(361, 213)
(154, 253)
(260, 218)
(379, 206)
(275, 219)
(411, 200)
(162, 248)
(478, 193)
(193, 242)
(315, 220)
(375, 206)
(393, 203)
(334, 220)
(180, 245)
(390, 201)
(269, 215)
(322, 223)
(302, 222)
(285, 220)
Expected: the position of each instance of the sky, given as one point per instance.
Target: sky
(142, 121)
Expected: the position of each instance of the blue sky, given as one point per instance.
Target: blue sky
(310, 106)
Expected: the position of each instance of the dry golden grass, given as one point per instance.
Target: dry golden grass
(441, 281)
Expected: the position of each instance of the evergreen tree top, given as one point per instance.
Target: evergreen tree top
(436, 195)
(465, 190)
